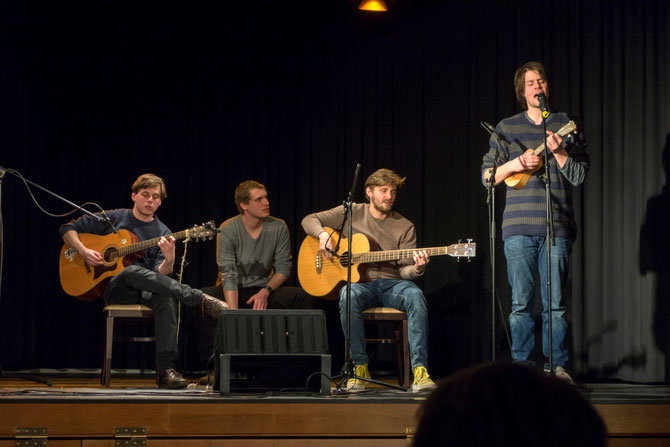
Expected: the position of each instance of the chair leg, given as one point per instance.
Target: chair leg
(106, 372)
(399, 352)
(405, 349)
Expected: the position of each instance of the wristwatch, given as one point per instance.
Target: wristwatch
(269, 289)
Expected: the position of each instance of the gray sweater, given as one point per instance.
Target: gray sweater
(248, 262)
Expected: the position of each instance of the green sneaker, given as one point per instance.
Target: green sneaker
(360, 371)
(562, 374)
(422, 380)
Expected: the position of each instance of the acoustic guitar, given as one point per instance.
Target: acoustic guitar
(519, 180)
(319, 276)
(119, 250)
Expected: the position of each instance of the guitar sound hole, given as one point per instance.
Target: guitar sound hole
(110, 255)
(344, 259)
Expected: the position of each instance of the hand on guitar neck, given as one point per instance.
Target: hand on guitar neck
(517, 171)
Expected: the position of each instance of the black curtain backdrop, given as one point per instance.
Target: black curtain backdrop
(293, 95)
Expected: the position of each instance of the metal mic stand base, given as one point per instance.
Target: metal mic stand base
(7, 375)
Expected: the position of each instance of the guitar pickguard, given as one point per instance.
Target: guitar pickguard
(70, 253)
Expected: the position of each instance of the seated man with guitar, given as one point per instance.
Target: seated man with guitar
(141, 276)
(389, 284)
(254, 259)
(524, 225)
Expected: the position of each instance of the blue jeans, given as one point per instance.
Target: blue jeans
(526, 255)
(396, 293)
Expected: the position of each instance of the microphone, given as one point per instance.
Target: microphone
(542, 99)
(357, 172)
(493, 131)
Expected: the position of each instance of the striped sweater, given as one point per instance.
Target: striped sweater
(525, 209)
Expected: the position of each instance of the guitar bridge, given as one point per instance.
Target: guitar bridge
(318, 261)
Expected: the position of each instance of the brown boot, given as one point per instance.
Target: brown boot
(209, 379)
(213, 306)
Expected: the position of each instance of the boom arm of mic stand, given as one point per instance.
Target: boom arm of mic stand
(102, 218)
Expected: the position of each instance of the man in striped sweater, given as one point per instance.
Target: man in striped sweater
(524, 219)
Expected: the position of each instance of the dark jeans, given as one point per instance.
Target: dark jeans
(526, 255)
(137, 285)
(285, 297)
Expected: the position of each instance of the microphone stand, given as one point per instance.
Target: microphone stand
(348, 368)
(550, 240)
(491, 202)
(4, 373)
(3, 170)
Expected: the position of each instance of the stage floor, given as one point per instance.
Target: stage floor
(77, 410)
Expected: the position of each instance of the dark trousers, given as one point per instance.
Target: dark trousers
(285, 297)
(137, 285)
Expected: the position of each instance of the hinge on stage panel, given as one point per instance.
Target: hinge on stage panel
(410, 432)
(130, 436)
(30, 436)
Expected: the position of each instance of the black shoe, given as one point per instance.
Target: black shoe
(170, 379)
(213, 306)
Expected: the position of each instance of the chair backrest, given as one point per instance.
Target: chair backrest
(218, 238)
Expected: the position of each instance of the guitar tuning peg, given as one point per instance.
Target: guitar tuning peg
(459, 240)
(469, 240)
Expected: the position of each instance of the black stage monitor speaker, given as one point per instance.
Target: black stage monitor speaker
(270, 350)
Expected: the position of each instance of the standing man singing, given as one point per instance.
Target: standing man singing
(147, 281)
(389, 284)
(524, 219)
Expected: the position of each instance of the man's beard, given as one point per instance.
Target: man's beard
(379, 208)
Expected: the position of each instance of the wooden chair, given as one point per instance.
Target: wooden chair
(124, 312)
(388, 315)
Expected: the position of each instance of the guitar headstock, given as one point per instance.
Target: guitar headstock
(467, 250)
(567, 129)
(204, 231)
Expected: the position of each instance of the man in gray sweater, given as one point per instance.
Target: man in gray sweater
(254, 259)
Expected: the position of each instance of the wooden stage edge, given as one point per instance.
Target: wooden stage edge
(79, 413)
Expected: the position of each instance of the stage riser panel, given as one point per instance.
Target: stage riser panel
(286, 442)
(99, 420)
(294, 424)
(300, 442)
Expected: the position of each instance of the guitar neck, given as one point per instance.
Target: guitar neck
(393, 255)
(143, 245)
(563, 131)
(539, 150)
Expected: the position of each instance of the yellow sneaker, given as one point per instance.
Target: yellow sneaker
(422, 380)
(360, 371)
